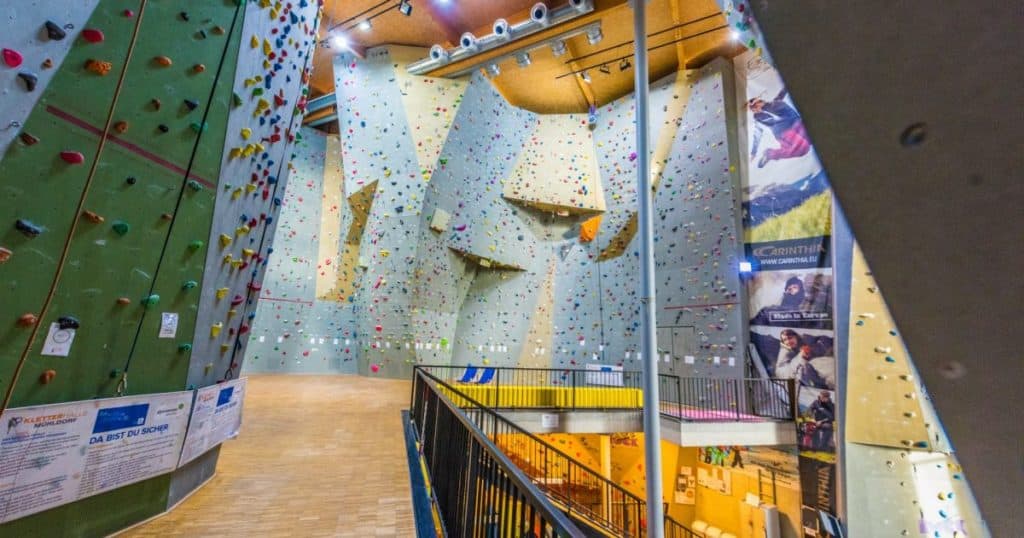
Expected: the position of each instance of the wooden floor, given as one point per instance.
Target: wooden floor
(317, 456)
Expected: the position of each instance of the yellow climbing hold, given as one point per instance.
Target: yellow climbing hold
(242, 230)
(246, 133)
(248, 252)
(254, 42)
(215, 329)
(225, 240)
(222, 292)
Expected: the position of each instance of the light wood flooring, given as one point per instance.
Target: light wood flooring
(317, 456)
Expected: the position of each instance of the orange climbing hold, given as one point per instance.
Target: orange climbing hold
(121, 126)
(92, 217)
(198, 68)
(163, 61)
(5, 254)
(588, 230)
(47, 376)
(124, 301)
(27, 320)
(98, 66)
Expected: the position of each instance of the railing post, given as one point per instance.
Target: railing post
(573, 392)
(736, 396)
(497, 388)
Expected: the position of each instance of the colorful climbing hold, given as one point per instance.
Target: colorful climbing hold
(151, 300)
(54, 31)
(163, 61)
(92, 217)
(72, 157)
(28, 139)
(27, 320)
(5, 254)
(30, 80)
(121, 227)
(28, 228)
(47, 376)
(12, 57)
(98, 66)
(92, 35)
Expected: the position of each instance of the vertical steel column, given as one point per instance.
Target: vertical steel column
(648, 323)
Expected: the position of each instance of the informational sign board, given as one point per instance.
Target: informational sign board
(601, 374)
(216, 417)
(55, 454)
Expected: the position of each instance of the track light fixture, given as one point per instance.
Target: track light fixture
(366, 25)
(586, 77)
(405, 8)
(594, 35)
(523, 59)
(625, 64)
(493, 70)
(605, 69)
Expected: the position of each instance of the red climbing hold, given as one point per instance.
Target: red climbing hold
(237, 300)
(27, 320)
(12, 58)
(72, 157)
(92, 35)
(47, 376)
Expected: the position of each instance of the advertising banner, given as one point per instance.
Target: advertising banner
(787, 217)
(55, 454)
(216, 417)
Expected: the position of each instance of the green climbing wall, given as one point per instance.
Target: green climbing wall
(110, 235)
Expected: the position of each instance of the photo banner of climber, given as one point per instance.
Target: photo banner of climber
(787, 218)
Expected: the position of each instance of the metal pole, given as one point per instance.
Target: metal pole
(648, 323)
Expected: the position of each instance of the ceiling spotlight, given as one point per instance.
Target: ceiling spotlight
(339, 42)
(523, 59)
(594, 35)
(405, 8)
(558, 47)
(493, 70)
(605, 69)
(624, 64)
(735, 35)
(366, 25)
(586, 77)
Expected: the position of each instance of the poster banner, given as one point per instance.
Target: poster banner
(796, 298)
(818, 493)
(216, 417)
(686, 486)
(55, 454)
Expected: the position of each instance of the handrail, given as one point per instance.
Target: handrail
(487, 491)
(618, 510)
(682, 398)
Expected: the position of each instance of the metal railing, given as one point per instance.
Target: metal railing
(480, 492)
(682, 398)
(710, 399)
(579, 490)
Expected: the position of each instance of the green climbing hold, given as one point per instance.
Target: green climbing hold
(121, 227)
(195, 185)
(236, 101)
(198, 127)
(115, 373)
(196, 245)
(185, 347)
(189, 284)
(151, 300)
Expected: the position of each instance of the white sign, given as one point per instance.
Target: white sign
(600, 374)
(548, 420)
(55, 454)
(217, 417)
(168, 325)
(58, 341)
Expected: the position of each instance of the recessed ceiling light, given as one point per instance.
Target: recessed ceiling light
(735, 35)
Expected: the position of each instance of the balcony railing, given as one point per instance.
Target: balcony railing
(578, 490)
(479, 491)
(681, 398)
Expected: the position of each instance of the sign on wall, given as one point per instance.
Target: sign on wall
(55, 454)
(216, 417)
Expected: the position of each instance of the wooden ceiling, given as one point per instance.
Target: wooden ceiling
(546, 85)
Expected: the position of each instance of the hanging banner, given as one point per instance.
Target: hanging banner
(216, 417)
(787, 217)
(55, 454)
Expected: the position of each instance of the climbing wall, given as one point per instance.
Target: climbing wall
(295, 330)
(112, 182)
(911, 479)
(474, 222)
